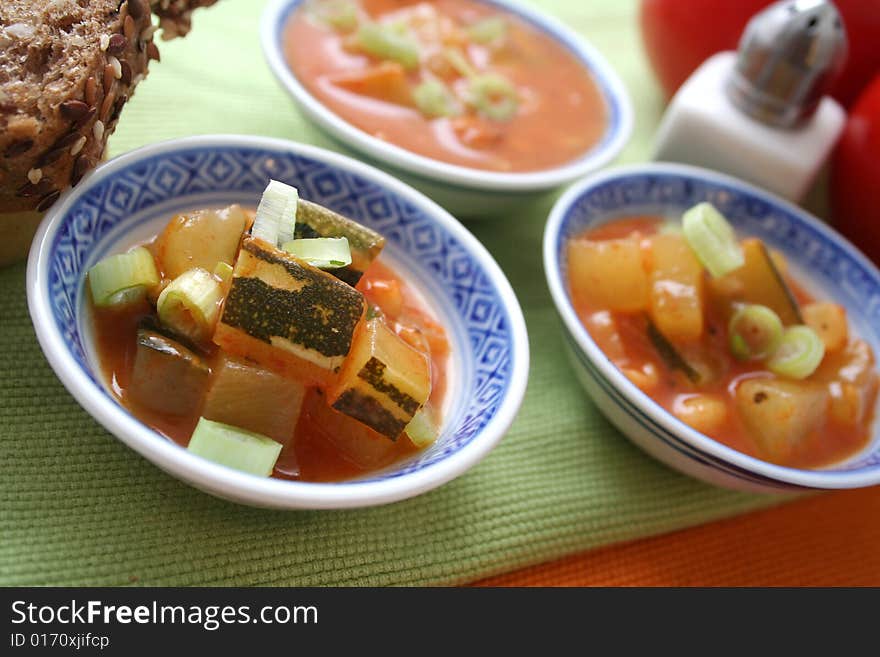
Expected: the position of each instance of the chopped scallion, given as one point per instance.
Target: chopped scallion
(321, 252)
(341, 15)
(493, 96)
(223, 271)
(434, 99)
(799, 353)
(235, 448)
(712, 239)
(459, 62)
(488, 30)
(276, 214)
(422, 429)
(755, 332)
(122, 278)
(388, 41)
(190, 304)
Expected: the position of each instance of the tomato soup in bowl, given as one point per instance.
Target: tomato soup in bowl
(740, 350)
(250, 368)
(467, 97)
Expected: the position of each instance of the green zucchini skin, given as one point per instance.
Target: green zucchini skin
(167, 377)
(370, 412)
(385, 381)
(373, 372)
(313, 220)
(300, 313)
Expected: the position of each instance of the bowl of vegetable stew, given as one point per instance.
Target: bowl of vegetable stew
(169, 206)
(481, 104)
(723, 330)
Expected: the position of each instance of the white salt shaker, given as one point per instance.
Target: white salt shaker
(761, 113)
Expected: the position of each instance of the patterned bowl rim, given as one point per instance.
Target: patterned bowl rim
(225, 481)
(590, 351)
(613, 91)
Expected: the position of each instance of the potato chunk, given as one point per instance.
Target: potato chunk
(781, 414)
(356, 441)
(758, 281)
(200, 239)
(676, 302)
(704, 412)
(609, 274)
(384, 382)
(852, 380)
(251, 397)
(828, 320)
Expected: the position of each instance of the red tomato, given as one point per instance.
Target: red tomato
(679, 35)
(855, 174)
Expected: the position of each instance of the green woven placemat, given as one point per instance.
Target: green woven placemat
(77, 507)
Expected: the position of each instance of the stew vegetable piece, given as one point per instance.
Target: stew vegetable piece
(715, 330)
(272, 342)
(455, 80)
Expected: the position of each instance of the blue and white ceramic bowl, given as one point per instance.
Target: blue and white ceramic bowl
(464, 191)
(821, 259)
(131, 197)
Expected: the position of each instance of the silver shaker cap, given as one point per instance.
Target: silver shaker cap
(789, 55)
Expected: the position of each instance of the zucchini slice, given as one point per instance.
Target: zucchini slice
(167, 376)
(758, 281)
(251, 397)
(699, 361)
(313, 220)
(385, 381)
(288, 316)
(356, 441)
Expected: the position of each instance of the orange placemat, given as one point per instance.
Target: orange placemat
(828, 540)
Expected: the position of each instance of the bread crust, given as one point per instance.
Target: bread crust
(175, 15)
(44, 152)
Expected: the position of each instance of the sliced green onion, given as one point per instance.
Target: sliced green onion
(459, 62)
(389, 42)
(321, 252)
(122, 278)
(223, 271)
(341, 15)
(755, 332)
(276, 214)
(712, 239)
(190, 304)
(235, 448)
(799, 353)
(422, 429)
(493, 96)
(434, 99)
(488, 30)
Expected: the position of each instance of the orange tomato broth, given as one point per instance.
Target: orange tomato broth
(309, 455)
(833, 443)
(561, 112)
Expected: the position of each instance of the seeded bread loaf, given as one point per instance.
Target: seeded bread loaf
(67, 67)
(65, 72)
(174, 15)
